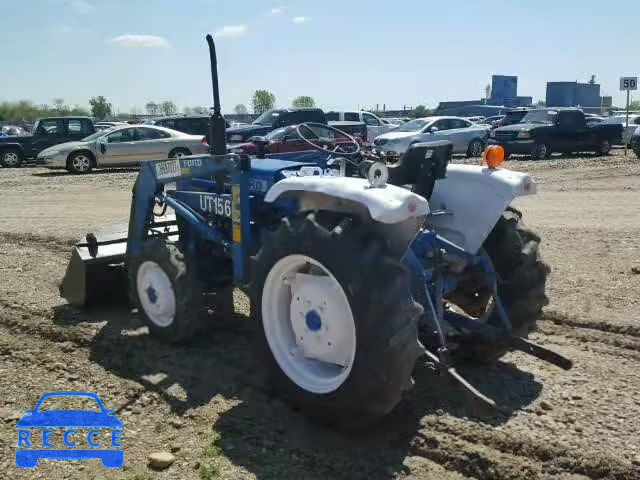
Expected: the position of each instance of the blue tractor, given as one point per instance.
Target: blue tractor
(355, 268)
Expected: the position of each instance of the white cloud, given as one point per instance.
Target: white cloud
(300, 19)
(231, 31)
(277, 10)
(81, 7)
(130, 40)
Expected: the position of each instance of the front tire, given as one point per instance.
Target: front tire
(541, 151)
(11, 158)
(475, 148)
(79, 162)
(165, 289)
(337, 322)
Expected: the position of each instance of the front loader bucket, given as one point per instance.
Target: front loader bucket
(96, 273)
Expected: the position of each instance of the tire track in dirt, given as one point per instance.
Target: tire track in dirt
(562, 319)
(584, 335)
(535, 456)
(27, 320)
(33, 240)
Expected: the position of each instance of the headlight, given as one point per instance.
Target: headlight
(49, 153)
(524, 135)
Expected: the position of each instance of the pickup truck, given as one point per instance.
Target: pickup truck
(375, 126)
(272, 119)
(541, 132)
(47, 132)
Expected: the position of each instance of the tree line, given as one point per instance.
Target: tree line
(100, 108)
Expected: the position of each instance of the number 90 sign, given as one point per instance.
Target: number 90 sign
(628, 83)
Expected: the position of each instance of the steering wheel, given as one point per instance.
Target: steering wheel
(323, 147)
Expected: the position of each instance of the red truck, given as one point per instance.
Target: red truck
(286, 139)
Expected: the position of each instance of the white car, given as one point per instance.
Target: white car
(468, 138)
(122, 147)
(627, 130)
(375, 126)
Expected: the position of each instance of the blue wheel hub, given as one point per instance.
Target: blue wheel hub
(151, 294)
(313, 320)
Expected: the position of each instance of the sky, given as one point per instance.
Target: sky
(344, 53)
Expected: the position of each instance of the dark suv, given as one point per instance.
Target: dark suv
(191, 124)
(272, 119)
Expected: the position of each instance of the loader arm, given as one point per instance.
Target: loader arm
(95, 274)
(149, 188)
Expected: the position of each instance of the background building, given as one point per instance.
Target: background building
(504, 89)
(573, 94)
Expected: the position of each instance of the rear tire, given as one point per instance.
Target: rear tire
(166, 291)
(475, 148)
(11, 158)
(179, 152)
(515, 254)
(603, 148)
(373, 303)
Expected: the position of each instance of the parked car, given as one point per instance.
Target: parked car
(477, 119)
(556, 130)
(107, 125)
(46, 133)
(286, 139)
(468, 138)
(513, 117)
(592, 119)
(191, 124)
(13, 130)
(121, 147)
(493, 121)
(635, 142)
(375, 125)
(628, 130)
(272, 119)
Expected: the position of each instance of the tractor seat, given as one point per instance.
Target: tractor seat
(421, 165)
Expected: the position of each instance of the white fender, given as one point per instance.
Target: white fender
(475, 196)
(388, 204)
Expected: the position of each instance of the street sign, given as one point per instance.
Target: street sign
(628, 83)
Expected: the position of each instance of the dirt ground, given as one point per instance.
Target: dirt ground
(210, 405)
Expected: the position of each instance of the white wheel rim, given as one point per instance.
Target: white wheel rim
(308, 324)
(543, 150)
(11, 158)
(81, 163)
(156, 295)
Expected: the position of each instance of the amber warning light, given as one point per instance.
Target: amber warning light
(493, 156)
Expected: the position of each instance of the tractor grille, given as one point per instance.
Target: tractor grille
(506, 136)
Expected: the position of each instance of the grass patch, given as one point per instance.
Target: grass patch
(213, 448)
(208, 472)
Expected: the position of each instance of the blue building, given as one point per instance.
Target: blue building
(504, 89)
(573, 94)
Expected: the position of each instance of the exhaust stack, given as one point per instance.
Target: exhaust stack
(217, 125)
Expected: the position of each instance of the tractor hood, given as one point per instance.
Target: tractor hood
(245, 132)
